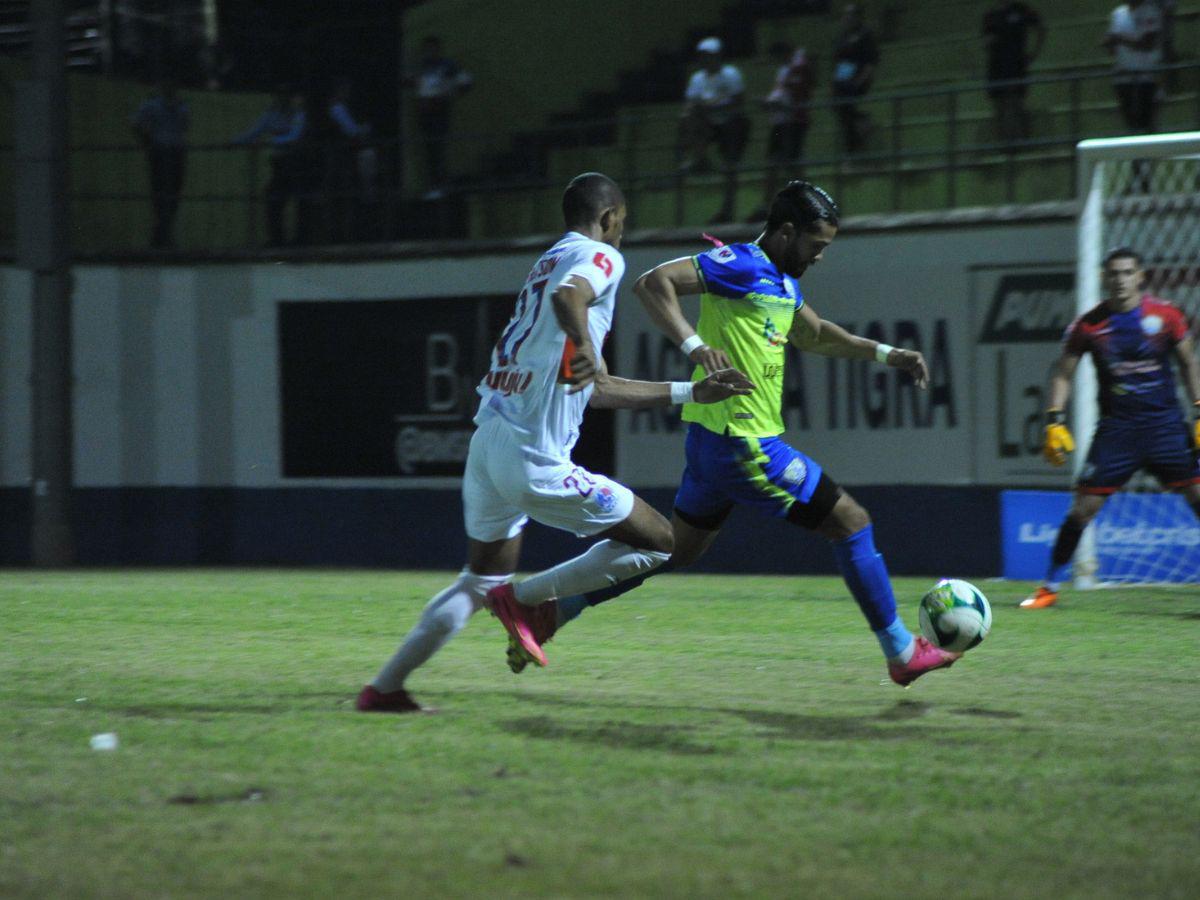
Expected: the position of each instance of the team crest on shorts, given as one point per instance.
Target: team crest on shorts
(795, 472)
(606, 499)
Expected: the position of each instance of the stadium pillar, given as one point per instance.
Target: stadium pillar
(42, 234)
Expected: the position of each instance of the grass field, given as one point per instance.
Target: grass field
(706, 736)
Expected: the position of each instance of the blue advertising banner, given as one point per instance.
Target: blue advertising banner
(1029, 523)
(1140, 537)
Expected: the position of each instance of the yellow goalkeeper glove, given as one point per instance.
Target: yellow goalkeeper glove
(1196, 428)
(1058, 441)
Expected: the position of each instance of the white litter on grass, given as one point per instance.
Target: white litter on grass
(106, 741)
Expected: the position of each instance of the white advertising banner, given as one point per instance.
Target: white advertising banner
(933, 290)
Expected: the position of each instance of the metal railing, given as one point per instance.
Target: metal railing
(922, 144)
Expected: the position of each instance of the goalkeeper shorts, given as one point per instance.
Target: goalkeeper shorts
(1119, 449)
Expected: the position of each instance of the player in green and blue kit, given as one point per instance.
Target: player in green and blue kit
(750, 307)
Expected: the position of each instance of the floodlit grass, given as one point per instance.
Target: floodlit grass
(705, 736)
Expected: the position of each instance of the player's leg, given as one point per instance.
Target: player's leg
(849, 529)
(1115, 454)
(700, 509)
(495, 530)
(692, 533)
(1084, 508)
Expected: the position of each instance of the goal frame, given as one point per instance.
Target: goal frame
(1091, 156)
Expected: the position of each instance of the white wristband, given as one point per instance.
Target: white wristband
(881, 352)
(691, 344)
(681, 392)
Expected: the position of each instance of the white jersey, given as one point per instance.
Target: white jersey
(522, 387)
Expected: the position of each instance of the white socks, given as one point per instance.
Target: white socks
(603, 565)
(444, 616)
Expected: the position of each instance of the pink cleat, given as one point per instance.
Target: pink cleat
(543, 623)
(926, 657)
(516, 619)
(371, 699)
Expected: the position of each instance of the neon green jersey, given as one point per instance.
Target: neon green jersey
(746, 310)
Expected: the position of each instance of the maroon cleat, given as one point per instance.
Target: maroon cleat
(543, 623)
(371, 699)
(926, 657)
(516, 619)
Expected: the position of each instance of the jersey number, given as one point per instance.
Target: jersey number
(510, 344)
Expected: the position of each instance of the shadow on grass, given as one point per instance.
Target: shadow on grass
(618, 735)
(774, 725)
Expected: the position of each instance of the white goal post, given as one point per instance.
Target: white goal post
(1141, 192)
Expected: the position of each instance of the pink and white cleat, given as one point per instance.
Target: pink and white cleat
(926, 657)
(516, 619)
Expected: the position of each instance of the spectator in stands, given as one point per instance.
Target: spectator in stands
(787, 106)
(284, 124)
(438, 83)
(1134, 38)
(713, 111)
(161, 125)
(1006, 27)
(351, 165)
(855, 58)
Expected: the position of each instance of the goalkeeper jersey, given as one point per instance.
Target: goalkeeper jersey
(746, 310)
(1132, 352)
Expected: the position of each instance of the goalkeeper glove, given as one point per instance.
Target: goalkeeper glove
(1196, 428)
(1058, 441)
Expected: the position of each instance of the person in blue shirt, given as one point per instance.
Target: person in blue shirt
(161, 125)
(283, 124)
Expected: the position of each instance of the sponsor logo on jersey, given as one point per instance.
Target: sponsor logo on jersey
(1152, 324)
(508, 381)
(604, 264)
(774, 336)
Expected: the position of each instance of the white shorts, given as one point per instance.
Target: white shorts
(504, 487)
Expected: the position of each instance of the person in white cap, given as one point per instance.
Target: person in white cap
(712, 111)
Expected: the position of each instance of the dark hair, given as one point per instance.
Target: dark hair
(804, 205)
(587, 196)
(1121, 253)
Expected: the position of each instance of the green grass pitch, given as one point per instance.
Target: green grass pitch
(703, 737)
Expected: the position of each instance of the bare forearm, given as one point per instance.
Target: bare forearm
(834, 340)
(1191, 380)
(572, 316)
(622, 393)
(1060, 391)
(661, 302)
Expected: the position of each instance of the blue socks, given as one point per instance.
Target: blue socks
(867, 577)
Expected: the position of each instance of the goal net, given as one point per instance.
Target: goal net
(1143, 193)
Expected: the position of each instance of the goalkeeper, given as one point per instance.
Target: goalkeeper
(1131, 336)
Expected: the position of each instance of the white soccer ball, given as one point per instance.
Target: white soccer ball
(955, 615)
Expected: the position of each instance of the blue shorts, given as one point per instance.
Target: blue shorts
(1119, 449)
(765, 473)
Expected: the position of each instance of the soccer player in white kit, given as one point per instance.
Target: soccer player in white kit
(545, 370)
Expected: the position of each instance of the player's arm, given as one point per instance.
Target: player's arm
(811, 333)
(660, 290)
(1057, 441)
(1189, 368)
(612, 392)
(570, 301)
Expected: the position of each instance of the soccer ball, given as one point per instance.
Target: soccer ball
(955, 615)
